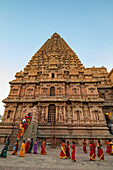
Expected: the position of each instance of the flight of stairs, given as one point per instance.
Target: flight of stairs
(13, 139)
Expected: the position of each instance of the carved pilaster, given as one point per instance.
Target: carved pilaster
(46, 114)
(56, 113)
(64, 113)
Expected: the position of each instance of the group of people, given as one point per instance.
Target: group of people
(109, 146)
(100, 153)
(24, 148)
(28, 148)
(23, 124)
(65, 149)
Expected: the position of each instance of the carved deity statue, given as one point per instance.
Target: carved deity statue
(42, 114)
(61, 117)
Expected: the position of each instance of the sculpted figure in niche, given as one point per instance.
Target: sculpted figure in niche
(93, 115)
(69, 112)
(96, 115)
(42, 114)
(18, 113)
(87, 115)
(37, 92)
(61, 117)
(74, 115)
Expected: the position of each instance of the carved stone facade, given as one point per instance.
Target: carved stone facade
(62, 90)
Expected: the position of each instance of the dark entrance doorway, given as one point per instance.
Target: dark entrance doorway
(51, 113)
(52, 121)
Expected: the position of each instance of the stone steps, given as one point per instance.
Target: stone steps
(13, 139)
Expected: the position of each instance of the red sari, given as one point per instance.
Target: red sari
(107, 147)
(100, 153)
(94, 148)
(43, 152)
(63, 151)
(73, 152)
(110, 148)
(67, 151)
(19, 133)
(92, 152)
(27, 146)
(84, 147)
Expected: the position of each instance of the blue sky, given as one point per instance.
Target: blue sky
(86, 25)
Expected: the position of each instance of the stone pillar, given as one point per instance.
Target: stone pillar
(20, 86)
(73, 113)
(35, 119)
(64, 113)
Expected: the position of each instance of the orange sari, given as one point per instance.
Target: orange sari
(16, 149)
(43, 152)
(22, 150)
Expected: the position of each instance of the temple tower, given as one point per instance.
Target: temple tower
(64, 93)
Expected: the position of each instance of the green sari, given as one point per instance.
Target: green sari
(4, 150)
(30, 147)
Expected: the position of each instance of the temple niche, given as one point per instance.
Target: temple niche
(65, 98)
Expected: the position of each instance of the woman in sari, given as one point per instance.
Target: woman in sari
(100, 151)
(94, 147)
(19, 134)
(67, 150)
(15, 148)
(92, 152)
(63, 150)
(4, 150)
(107, 147)
(110, 147)
(30, 146)
(73, 152)
(35, 147)
(22, 150)
(43, 152)
(27, 146)
(84, 146)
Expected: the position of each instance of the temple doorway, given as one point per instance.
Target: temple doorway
(52, 121)
(52, 114)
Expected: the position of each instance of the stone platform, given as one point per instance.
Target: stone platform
(51, 161)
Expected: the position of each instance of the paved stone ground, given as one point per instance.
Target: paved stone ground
(51, 161)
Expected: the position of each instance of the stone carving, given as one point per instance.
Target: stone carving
(43, 114)
(61, 116)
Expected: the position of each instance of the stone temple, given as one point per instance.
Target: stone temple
(67, 100)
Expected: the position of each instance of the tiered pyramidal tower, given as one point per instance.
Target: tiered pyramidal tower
(65, 94)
